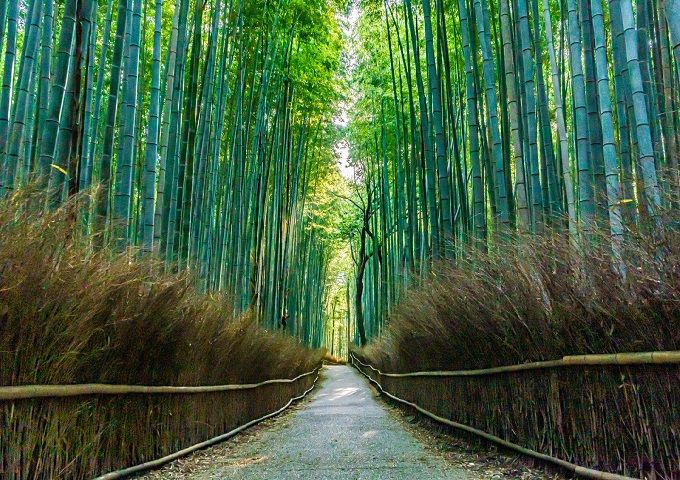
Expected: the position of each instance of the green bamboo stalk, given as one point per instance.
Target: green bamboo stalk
(89, 117)
(44, 86)
(528, 66)
(585, 186)
(623, 107)
(646, 157)
(172, 158)
(437, 120)
(482, 17)
(103, 194)
(25, 87)
(151, 156)
(160, 220)
(514, 115)
(561, 124)
(60, 173)
(479, 212)
(124, 166)
(672, 11)
(3, 21)
(551, 202)
(92, 147)
(52, 120)
(8, 79)
(611, 164)
(594, 125)
(667, 100)
(430, 187)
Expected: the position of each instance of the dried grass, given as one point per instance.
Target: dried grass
(70, 315)
(534, 299)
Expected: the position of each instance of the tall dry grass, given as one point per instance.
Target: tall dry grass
(71, 315)
(538, 298)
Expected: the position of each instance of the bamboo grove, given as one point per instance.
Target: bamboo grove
(480, 118)
(201, 127)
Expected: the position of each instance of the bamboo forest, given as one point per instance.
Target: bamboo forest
(448, 231)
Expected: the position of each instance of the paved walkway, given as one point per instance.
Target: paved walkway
(343, 432)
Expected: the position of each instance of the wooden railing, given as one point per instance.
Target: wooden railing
(575, 411)
(83, 431)
(23, 392)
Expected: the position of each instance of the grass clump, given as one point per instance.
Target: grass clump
(72, 315)
(538, 298)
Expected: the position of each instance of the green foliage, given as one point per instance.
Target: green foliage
(518, 134)
(239, 94)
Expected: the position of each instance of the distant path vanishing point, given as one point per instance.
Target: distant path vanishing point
(342, 432)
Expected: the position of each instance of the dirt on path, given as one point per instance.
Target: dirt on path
(344, 431)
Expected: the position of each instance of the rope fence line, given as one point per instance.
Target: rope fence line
(648, 358)
(23, 392)
(154, 464)
(615, 359)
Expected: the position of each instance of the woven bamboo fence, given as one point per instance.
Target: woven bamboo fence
(601, 416)
(82, 431)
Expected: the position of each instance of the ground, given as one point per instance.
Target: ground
(345, 431)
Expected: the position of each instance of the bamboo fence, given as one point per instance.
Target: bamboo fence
(599, 416)
(84, 431)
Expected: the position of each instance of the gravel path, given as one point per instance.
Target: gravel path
(344, 431)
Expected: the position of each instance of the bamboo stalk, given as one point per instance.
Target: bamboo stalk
(620, 359)
(60, 391)
(642, 358)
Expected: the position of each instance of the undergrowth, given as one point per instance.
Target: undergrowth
(538, 298)
(69, 314)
